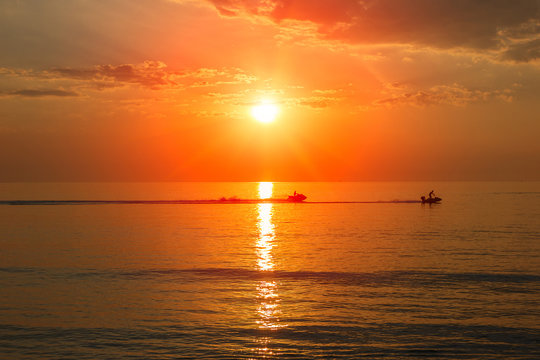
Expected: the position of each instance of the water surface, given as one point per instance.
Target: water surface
(389, 278)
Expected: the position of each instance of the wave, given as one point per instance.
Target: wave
(351, 277)
(227, 341)
(354, 278)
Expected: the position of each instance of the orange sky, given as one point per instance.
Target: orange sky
(154, 90)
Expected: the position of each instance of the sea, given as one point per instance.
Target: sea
(358, 270)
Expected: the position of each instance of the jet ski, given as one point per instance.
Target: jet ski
(296, 197)
(430, 200)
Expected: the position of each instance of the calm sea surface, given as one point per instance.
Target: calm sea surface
(458, 280)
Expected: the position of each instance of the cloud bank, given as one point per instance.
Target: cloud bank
(508, 27)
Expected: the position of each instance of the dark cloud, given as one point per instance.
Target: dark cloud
(152, 74)
(523, 51)
(479, 24)
(41, 93)
(525, 30)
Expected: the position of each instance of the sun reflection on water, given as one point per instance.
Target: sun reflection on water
(268, 308)
(265, 190)
(267, 290)
(265, 241)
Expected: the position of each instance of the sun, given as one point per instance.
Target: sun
(265, 112)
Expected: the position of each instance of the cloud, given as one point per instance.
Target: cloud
(524, 30)
(154, 75)
(322, 98)
(232, 8)
(41, 93)
(522, 51)
(455, 95)
(316, 102)
(204, 77)
(151, 74)
(442, 24)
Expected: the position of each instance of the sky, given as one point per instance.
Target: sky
(163, 90)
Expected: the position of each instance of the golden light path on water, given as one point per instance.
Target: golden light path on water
(267, 290)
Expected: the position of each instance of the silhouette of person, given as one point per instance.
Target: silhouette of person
(431, 194)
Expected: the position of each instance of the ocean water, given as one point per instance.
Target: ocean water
(364, 270)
